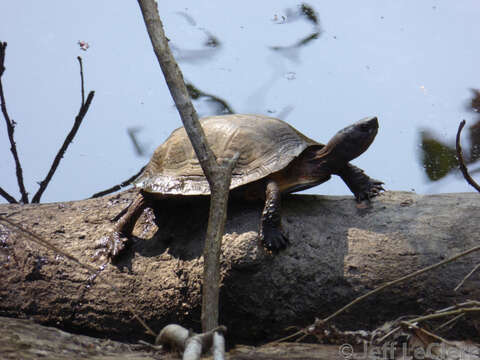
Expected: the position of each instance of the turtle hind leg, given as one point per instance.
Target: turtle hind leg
(271, 234)
(112, 245)
(359, 183)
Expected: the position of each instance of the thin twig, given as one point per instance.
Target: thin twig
(3, 46)
(461, 161)
(119, 186)
(11, 128)
(438, 315)
(380, 288)
(463, 351)
(391, 332)
(406, 277)
(66, 143)
(39, 240)
(301, 338)
(76, 125)
(408, 324)
(8, 197)
(288, 337)
(466, 277)
(81, 79)
(459, 306)
(449, 322)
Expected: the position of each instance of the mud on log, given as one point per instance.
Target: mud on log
(338, 251)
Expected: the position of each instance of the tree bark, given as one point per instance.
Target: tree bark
(338, 251)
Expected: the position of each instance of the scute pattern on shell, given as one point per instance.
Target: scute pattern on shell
(265, 145)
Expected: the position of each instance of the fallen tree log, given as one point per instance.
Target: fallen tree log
(338, 251)
(26, 340)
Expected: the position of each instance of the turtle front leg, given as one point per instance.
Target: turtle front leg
(271, 234)
(113, 244)
(361, 185)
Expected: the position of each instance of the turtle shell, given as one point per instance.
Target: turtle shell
(265, 145)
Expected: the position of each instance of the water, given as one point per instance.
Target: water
(320, 66)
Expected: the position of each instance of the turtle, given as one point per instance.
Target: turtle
(273, 159)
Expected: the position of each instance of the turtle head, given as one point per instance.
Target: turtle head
(352, 141)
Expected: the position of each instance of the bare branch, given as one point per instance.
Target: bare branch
(218, 176)
(78, 121)
(76, 125)
(117, 187)
(440, 314)
(8, 197)
(11, 128)
(467, 277)
(176, 84)
(3, 46)
(461, 161)
(81, 80)
(213, 243)
(449, 323)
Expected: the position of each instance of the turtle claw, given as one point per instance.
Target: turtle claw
(111, 246)
(272, 238)
(370, 189)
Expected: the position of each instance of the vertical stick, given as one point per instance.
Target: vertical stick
(218, 175)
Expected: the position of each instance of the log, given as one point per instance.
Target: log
(26, 340)
(338, 251)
